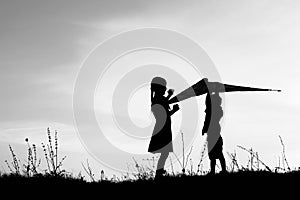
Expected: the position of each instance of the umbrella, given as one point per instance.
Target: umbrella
(203, 86)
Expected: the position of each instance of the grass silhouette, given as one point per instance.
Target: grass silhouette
(254, 176)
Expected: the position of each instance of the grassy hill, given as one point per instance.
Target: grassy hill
(244, 184)
(254, 180)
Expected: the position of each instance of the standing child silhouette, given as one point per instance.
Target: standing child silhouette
(161, 140)
(214, 113)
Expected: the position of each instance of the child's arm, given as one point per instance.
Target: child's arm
(170, 93)
(175, 109)
(207, 115)
(206, 122)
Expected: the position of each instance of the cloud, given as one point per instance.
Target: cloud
(44, 43)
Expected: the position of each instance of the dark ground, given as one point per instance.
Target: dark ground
(244, 184)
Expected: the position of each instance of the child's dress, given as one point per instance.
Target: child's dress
(161, 140)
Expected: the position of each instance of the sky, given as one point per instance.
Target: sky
(252, 43)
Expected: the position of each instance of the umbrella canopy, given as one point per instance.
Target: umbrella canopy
(203, 87)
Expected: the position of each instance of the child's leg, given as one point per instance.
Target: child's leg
(212, 166)
(160, 165)
(222, 162)
(162, 160)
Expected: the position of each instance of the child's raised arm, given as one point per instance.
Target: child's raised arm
(170, 93)
(175, 109)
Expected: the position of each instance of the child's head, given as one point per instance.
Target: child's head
(158, 86)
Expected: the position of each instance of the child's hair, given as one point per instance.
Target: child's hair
(156, 84)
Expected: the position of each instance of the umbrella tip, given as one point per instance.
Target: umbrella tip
(275, 90)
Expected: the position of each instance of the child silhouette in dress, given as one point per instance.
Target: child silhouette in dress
(161, 140)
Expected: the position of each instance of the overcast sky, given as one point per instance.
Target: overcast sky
(253, 43)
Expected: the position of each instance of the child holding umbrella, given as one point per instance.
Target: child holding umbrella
(212, 128)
